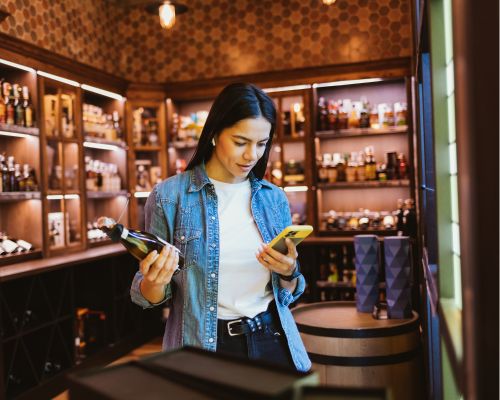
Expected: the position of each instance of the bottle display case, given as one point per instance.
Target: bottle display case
(289, 161)
(61, 144)
(185, 123)
(362, 149)
(19, 167)
(105, 159)
(147, 158)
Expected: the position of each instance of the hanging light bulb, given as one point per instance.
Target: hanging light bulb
(329, 2)
(167, 10)
(167, 15)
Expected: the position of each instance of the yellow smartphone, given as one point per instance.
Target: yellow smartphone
(297, 233)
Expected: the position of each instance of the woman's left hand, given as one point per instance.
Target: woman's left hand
(283, 264)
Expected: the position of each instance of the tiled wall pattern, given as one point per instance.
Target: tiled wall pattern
(84, 30)
(215, 37)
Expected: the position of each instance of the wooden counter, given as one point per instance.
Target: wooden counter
(27, 268)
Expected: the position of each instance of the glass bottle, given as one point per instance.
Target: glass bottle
(138, 243)
(28, 109)
(2, 104)
(18, 106)
(9, 104)
(332, 115)
(322, 115)
(402, 167)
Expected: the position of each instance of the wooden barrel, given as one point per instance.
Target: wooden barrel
(353, 349)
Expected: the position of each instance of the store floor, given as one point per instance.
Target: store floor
(149, 348)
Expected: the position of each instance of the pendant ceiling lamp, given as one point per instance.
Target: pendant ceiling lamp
(167, 10)
(329, 2)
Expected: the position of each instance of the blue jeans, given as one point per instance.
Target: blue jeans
(268, 344)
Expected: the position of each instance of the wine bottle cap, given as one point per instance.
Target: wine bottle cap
(105, 222)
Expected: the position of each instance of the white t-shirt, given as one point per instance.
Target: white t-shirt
(244, 284)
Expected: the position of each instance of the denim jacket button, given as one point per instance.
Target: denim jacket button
(212, 275)
(212, 308)
(213, 218)
(211, 340)
(183, 237)
(213, 245)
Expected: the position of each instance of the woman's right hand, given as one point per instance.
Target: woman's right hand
(157, 270)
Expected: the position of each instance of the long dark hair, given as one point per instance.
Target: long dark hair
(236, 102)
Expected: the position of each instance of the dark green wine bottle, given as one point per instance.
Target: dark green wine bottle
(138, 243)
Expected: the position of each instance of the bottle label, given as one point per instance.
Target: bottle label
(124, 233)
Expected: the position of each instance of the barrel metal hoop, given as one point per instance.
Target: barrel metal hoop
(364, 361)
(359, 333)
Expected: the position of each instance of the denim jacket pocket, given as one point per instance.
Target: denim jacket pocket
(187, 240)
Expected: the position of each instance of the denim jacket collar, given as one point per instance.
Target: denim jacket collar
(199, 178)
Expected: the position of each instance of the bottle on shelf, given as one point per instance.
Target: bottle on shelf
(360, 168)
(410, 219)
(332, 115)
(138, 243)
(322, 115)
(28, 108)
(9, 104)
(399, 214)
(351, 167)
(18, 106)
(402, 167)
(364, 116)
(2, 103)
(340, 167)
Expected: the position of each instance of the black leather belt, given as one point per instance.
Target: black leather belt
(245, 325)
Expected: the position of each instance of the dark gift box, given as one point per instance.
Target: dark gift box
(190, 373)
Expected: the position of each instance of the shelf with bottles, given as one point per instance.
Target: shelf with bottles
(115, 206)
(401, 220)
(365, 184)
(185, 124)
(103, 120)
(361, 132)
(365, 108)
(60, 110)
(105, 172)
(18, 99)
(64, 222)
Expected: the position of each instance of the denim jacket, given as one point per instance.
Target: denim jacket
(183, 211)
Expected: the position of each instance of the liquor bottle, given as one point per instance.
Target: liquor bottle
(332, 115)
(13, 184)
(2, 104)
(28, 109)
(402, 167)
(4, 172)
(410, 219)
(138, 243)
(32, 182)
(400, 223)
(18, 177)
(18, 106)
(322, 115)
(9, 104)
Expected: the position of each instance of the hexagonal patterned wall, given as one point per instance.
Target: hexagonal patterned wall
(214, 38)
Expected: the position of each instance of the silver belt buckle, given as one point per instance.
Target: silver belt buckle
(229, 328)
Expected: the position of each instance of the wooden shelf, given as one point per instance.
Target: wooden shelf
(19, 196)
(62, 139)
(99, 242)
(147, 148)
(351, 233)
(342, 285)
(118, 143)
(106, 195)
(13, 271)
(184, 145)
(20, 257)
(360, 132)
(19, 129)
(364, 184)
(289, 139)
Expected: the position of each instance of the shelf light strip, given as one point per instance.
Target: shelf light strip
(285, 88)
(18, 66)
(101, 146)
(14, 134)
(141, 194)
(347, 82)
(58, 78)
(60, 196)
(103, 92)
(295, 188)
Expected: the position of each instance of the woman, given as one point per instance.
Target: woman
(234, 292)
